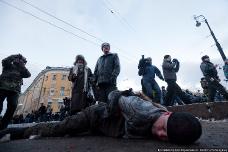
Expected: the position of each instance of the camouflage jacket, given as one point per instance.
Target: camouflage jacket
(139, 116)
(12, 74)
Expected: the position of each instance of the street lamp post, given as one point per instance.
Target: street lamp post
(200, 19)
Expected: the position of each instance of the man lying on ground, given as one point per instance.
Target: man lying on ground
(124, 115)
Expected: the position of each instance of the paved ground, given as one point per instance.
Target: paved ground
(215, 137)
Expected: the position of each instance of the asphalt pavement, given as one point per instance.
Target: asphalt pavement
(214, 139)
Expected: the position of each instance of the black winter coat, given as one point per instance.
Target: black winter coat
(107, 69)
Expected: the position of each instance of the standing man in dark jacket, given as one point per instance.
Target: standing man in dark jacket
(148, 72)
(10, 84)
(173, 89)
(106, 71)
(211, 75)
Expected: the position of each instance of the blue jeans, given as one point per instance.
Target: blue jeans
(150, 86)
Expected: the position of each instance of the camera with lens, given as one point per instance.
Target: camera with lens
(144, 61)
(19, 59)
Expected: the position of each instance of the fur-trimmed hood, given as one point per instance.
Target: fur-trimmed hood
(80, 57)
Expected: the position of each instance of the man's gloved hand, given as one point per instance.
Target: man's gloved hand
(162, 78)
(175, 60)
(212, 79)
(20, 56)
(127, 93)
(113, 80)
(93, 80)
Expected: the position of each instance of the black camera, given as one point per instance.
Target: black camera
(141, 62)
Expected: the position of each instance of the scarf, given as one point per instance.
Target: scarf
(79, 67)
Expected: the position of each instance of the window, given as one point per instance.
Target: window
(62, 91)
(49, 101)
(54, 77)
(64, 77)
(60, 104)
(52, 91)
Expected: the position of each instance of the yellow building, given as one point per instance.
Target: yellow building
(49, 87)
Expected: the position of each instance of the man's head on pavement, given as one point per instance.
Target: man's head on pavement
(159, 128)
(205, 58)
(177, 127)
(105, 47)
(183, 128)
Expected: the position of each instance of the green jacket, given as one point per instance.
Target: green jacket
(12, 74)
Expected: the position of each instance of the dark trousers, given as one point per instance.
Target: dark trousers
(212, 87)
(174, 90)
(12, 99)
(94, 119)
(104, 90)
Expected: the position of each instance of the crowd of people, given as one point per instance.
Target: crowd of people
(117, 113)
(44, 114)
(173, 94)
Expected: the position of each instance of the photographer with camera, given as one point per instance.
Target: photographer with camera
(13, 72)
(211, 75)
(148, 71)
(170, 68)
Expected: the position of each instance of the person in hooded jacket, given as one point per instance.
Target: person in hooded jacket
(148, 72)
(211, 75)
(80, 75)
(11, 79)
(170, 68)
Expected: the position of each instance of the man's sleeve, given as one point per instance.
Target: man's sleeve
(169, 66)
(70, 76)
(96, 71)
(141, 71)
(177, 67)
(116, 69)
(158, 73)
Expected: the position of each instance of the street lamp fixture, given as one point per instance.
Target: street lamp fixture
(198, 23)
(199, 19)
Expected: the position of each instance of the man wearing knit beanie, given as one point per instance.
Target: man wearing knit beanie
(124, 115)
(183, 128)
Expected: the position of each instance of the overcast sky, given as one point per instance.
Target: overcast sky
(132, 27)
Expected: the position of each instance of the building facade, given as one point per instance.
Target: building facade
(49, 87)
